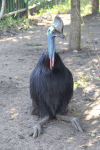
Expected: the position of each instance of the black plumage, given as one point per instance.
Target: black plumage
(51, 89)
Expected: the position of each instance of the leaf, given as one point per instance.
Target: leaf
(92, 134)
(25, 1)
(15, 1)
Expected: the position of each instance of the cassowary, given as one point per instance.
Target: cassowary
(51, 84)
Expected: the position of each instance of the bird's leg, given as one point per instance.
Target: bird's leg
(37, 130)
(71, 119)
(34, 108)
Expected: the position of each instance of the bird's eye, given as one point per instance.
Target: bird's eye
(48, 30)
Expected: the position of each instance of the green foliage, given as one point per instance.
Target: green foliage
(82, 81)
(90, 33)
(20, 24)
(92, 134)
(15, 1)
(87, 78)
(59, 9)
(38, 44)
(34, 44)
(64, 6)
(46, 5)
(32, 3)
(76, 85)
(24, 1)
(85, 6)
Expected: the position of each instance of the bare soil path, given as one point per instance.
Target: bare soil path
(19, 55)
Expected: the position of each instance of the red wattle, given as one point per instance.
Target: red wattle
(51, 63)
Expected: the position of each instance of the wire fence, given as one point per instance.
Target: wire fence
(12, 7)
(17, 7)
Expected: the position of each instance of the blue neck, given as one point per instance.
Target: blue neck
(51, 47)
(51, 42)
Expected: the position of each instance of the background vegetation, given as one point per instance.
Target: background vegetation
(62, 6)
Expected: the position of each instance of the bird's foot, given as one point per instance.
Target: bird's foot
(36, 131)
(71, 119)
(77, 124)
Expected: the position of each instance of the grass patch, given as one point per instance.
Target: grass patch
(9, 23)
(82, 81)
(34, 44)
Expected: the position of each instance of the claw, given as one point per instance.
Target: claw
(77, 125)
(36, 131)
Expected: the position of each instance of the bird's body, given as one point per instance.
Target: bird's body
(51, 89)
(51, 84)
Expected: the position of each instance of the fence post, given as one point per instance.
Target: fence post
(2, 8)
(27, 9)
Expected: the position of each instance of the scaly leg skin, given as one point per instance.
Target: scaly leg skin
(37, 130)
(71, 119)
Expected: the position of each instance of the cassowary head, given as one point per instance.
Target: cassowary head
(53, 31)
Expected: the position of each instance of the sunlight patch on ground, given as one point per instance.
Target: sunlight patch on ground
(14, 40)
(7, 39)
(31, 32)
(93, 113)
(92, 141)
(27, 37)
(14, 115)
(47, 19)
(12, 110)
(60, 42)
(94, 122)
(66, 43)
(67, 59)
(64, 48)
(46, 23)
(70, 139)
(24, 37)
(88, 89)
(20, 37)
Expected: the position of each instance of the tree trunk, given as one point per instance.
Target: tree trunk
(56, 2)
(75, 27)
(95, 6)
(2, 8)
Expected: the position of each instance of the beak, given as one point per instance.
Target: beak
(58, 34)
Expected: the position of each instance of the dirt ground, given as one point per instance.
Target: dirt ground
(19, 54)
